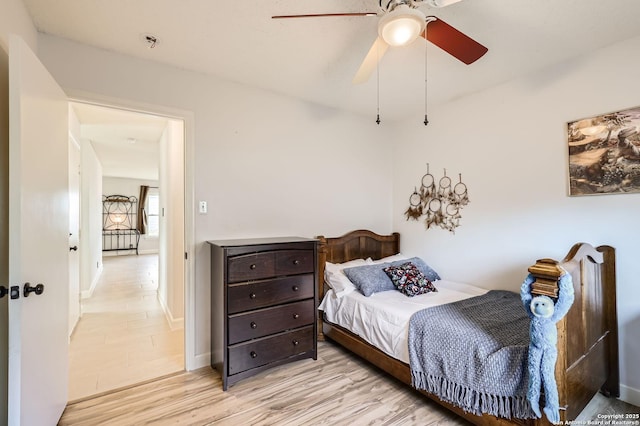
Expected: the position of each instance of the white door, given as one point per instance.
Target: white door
(74, 234)
(38, 240)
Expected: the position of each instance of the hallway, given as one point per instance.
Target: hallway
(123, 336)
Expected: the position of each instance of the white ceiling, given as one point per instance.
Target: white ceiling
(126, 142)
(315, 58)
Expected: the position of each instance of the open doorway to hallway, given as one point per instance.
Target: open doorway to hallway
(123, 337)
(131, 297)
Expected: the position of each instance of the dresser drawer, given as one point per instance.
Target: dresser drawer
(290, 262)
(252, 266)
(255, 266)
(245, 297)
(264, 351)
(267, 321)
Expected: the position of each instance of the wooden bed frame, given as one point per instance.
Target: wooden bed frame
(587, 335)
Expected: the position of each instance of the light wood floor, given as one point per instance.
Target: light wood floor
(337, 389)
(123, 337)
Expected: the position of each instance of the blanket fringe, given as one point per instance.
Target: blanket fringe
(471, 400)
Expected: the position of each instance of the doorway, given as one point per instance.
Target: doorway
(131, 324)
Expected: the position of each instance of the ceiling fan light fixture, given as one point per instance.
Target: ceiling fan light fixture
(401, 26)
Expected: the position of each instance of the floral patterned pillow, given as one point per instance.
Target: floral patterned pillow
(408, 279)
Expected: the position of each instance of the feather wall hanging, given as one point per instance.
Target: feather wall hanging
(440, 205)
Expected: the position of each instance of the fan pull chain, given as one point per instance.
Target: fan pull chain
(378, 82)
(426, 45)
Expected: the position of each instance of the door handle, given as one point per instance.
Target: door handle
(37, 289)
(74, 248)
(13, 292)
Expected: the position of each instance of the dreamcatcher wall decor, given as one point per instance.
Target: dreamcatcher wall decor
(440, 205)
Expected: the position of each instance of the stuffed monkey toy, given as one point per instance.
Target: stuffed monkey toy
(544, 338)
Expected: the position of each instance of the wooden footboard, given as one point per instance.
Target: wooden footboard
(587, 335)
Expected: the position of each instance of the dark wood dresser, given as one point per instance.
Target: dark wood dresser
(263, 304)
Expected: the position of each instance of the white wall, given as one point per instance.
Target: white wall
(130, 187)
(509, 144)
(90, 210)
(15, 19)
(268, 165)
(171, 288)
(90, 218)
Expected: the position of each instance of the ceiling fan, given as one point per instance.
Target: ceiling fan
(400, 23)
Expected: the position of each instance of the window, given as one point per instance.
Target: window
(153, 212)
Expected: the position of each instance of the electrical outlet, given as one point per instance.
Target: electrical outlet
(203, 206)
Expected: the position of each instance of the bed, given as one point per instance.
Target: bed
(587, 336)
(119, 223)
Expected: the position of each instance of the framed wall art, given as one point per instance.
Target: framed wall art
(604, 153)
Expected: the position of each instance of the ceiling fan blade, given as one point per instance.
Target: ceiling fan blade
(370, 62)
(453, 41)
(322, 15)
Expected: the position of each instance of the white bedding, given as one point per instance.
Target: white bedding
(382, 319)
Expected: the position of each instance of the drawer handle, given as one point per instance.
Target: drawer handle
(254, 325)
(295, 343)
(252, 296)
(253, 266)
(296, 316)
(296, 262)
(295, 288)
(253, 354)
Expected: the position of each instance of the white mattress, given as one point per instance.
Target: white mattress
(382, 319)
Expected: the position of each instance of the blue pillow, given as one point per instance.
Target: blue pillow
(371, 279)
(422, 266)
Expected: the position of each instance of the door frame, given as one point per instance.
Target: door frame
(187, 117)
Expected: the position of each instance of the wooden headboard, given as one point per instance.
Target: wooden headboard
(359, 244)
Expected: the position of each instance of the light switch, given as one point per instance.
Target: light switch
(203, 206)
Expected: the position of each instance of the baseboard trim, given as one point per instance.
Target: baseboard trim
(148, 251)
(85, 294)
(202, 360)
(128, 252)
(630, 395)
(174, 323)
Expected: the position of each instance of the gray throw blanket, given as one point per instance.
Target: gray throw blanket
(472, 354)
